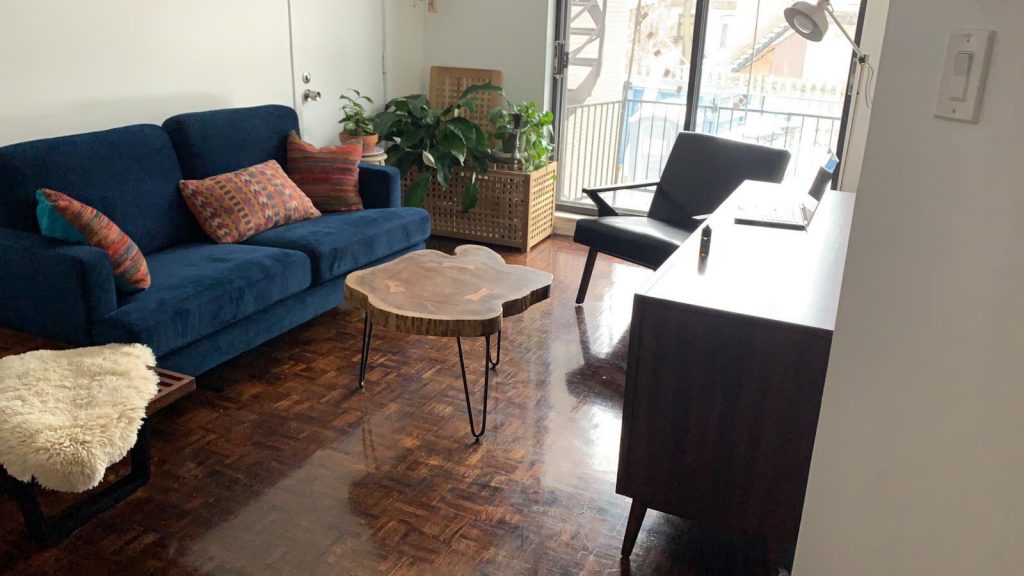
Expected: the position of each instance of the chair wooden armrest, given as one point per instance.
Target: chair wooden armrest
(603, 207)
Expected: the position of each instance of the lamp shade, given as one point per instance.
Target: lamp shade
(808, 19)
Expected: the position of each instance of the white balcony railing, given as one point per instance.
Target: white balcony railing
(630, 140)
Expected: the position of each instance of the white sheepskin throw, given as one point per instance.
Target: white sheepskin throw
(66, 415)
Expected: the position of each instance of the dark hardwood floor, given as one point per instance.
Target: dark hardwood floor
(293, 470)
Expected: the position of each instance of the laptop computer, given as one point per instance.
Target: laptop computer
(795, 214)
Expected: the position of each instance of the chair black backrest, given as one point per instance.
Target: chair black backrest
(703, 170)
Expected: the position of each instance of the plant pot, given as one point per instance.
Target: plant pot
(508, 144)
(369, 143)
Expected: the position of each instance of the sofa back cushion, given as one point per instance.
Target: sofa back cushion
(221, 141)
(129, 174)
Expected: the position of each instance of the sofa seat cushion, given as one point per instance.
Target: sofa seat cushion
(198, 289)
(340, 242)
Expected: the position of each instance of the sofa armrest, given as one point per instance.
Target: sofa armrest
(53, 289)
(380, 186)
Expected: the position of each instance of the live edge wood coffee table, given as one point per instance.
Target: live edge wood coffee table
(430, 293)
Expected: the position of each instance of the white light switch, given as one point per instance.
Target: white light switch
(961, 74)
(964, 74)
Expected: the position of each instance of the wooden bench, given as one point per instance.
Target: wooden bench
(49, 531)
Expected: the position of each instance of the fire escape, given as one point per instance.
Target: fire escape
(586, 47)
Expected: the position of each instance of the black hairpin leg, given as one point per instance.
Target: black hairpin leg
(51, 531)
(497, 360)
(367, 336)
(487, 383)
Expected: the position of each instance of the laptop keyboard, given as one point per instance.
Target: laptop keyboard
(777, 214)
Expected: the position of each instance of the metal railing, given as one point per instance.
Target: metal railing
(630, 140)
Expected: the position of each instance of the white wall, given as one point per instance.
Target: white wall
(919, 463)
(76, 66)
(72, 67)
(404, 57)
(514, 37)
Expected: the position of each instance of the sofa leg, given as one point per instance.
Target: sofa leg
(588, 270)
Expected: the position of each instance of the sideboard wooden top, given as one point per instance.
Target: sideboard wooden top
(790, 276)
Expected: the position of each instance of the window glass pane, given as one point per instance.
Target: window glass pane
(629, 67)
(764, 83)
(628, 81)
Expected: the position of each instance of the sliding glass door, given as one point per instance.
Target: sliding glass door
(761, 82)
(638, 72)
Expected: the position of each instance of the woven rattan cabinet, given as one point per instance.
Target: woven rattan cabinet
(515, 209)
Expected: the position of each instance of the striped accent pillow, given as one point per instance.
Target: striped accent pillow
(328, 175)
(131, 272)
(236, 206)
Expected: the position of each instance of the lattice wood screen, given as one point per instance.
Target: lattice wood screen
(446, 84)
(515, 209)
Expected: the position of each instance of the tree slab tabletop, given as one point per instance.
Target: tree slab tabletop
(431, 293)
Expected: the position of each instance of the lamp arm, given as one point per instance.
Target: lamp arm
(862, 57)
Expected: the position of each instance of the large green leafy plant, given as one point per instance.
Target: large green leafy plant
(433, 143)
(535, 144)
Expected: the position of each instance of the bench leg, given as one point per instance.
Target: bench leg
(52, 531)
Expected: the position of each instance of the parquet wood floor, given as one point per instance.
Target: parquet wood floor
(293, 470)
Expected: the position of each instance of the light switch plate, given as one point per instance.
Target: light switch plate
(964, 75)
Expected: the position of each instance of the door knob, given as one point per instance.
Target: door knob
(311, 95)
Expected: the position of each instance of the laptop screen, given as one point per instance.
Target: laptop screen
(824, 177)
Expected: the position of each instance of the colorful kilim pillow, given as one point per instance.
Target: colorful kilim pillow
(235, 206)
(65, 218)
(328, 175)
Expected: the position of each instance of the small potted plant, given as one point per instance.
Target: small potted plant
(356, 126)
(535, 145)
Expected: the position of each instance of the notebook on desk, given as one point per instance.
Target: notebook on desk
(790, 213)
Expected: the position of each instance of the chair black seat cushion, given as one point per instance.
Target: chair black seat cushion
(638, 239)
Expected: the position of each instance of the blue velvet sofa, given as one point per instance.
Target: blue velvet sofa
(208, 302)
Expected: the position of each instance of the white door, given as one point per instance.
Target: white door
(339, 45)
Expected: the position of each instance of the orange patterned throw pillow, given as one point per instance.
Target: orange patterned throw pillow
(130, 269)
(328, 175)
(236, 206)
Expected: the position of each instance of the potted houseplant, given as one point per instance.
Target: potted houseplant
(535, 146)
(356, 126)
(445, 161)
(431, 144)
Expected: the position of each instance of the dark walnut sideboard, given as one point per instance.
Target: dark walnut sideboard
(726, 369)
